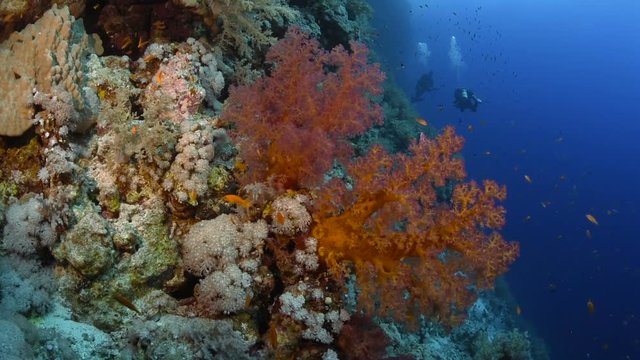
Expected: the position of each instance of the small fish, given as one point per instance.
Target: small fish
(159, 25)
(193, 197)
(125, 301)
(159, 77)
(280, 218)
(240, 165)
(148, 58)
(134, 130)
(142, 43)
(422, 121)
(527, 218)
(592, 219)
(588, 233)
(591, 307)
(235, 199)
(440, 107)
(126, 43)
(528, 179)
(518, 310)
(488, 153)
(272, 334)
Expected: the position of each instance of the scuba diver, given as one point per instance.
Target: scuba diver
(465, 99)
(424, 85)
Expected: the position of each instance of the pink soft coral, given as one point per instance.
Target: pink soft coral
(297, 120)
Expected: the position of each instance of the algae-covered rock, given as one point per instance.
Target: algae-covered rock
(88, 246)
(156, 257)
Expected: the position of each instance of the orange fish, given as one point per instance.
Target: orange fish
(159, 77)
(235, 199)
(142, 43)
(134, 130)
(240, 165)
(159, 25)
(126, 43)
(422, 121)
(528, 179)
(591, 307)
(592, 219)
(193, 197)
(272, 335)
(148, 58)
(280, 218)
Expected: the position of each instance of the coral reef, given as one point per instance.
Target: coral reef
(195, 192)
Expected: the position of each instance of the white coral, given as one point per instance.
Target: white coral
(227, 255)
(307, 259)
(224, 291)
(298, 303)
(27, 229)
(290, 215)
(190, 170)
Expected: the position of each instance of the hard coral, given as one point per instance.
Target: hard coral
(407, 244)
(298, 118)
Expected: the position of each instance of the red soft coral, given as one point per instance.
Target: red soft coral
(417, 237)
(295, 122)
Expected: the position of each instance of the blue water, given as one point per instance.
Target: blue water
(560, 82)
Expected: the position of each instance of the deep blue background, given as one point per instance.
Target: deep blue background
(561, 85)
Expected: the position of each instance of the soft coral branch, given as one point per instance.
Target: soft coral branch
(296, 121)
(402, 237)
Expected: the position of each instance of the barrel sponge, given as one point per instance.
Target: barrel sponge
(45, 55)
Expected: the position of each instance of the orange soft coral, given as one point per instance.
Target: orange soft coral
(416, 236)
(296, 121)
